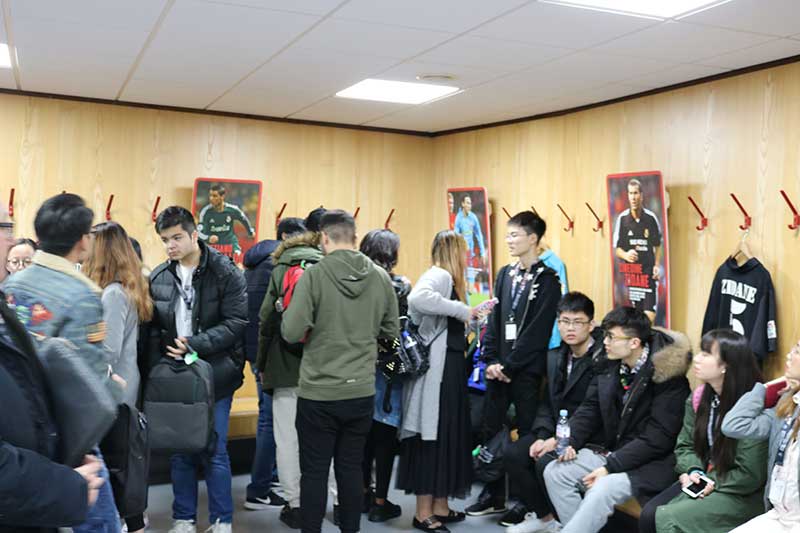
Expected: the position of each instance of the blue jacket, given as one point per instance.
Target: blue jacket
(469, 227)
(553, 261)
(393, 418)
(51, 298)
(258, 265)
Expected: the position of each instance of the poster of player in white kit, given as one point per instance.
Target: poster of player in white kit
(227, 211)
(468, 212)
(639, 244)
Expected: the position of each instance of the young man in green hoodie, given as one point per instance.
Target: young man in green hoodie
(339, 309)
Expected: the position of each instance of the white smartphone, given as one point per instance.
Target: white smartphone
(695, 489)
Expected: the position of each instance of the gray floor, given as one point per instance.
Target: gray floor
(160, 515)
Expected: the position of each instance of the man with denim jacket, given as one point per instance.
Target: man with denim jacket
(51, 298)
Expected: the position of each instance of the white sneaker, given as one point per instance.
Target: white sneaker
(220, 527)
(530, 524)
(553, 526)
(183, 526)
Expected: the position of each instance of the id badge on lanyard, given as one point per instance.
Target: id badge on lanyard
(511, 329)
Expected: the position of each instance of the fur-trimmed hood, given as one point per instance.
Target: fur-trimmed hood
(671, 354)
(308, 239)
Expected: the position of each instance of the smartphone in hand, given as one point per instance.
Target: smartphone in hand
(696, 489)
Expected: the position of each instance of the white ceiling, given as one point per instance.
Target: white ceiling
(287, 58)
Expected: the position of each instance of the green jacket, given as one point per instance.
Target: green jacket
(737, 496)
(343, 305)
(279, 367)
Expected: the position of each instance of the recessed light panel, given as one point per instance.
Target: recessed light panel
(658, 9)
(399, 92)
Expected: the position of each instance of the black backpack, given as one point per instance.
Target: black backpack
(179, 405)
(127, 455)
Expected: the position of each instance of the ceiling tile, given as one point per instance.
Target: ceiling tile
(379, 39)
(170, 93)
(464, 76)
(347, 111)
(453, 16)
(562, 26)
(762, 53)
(269, 102)
(682, 43)
(772, 17)
(483, 52)
(671, 76)
(314, 7)
(108, 14)
(89, 84)
(201, 40)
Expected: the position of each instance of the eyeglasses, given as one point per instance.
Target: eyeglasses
(7, 228)
(569, 323)
(611, 338)
(19, 264)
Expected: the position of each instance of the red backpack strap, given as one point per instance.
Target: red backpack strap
(697, 394)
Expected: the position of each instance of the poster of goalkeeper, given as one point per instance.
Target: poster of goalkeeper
(227, 211)
(469, 217)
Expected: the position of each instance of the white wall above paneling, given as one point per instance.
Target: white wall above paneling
(287, 58)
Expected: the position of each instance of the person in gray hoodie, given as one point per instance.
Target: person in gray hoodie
(339, 309)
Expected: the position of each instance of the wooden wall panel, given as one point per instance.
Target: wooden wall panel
(738, 135)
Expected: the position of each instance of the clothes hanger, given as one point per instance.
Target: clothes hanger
(742, 253)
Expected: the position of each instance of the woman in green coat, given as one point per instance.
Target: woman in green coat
(737, 469)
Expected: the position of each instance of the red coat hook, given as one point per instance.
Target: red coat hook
(599, 222)
(154, 214)
(747, 219)
(388, 219)
(355, 215)
(108, 207)
(506, 212)
(703, 219)
(793, 226)
(280, 214)
(11, 204)
(570, 222)
(535, 212)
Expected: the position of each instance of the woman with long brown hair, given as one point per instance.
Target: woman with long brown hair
(116, 268)
(751, 418)
(436, 463)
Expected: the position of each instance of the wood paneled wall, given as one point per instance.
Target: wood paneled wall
(739, 135)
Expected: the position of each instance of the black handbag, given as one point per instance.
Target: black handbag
(488, 462)
(127, 455)
(83, 407)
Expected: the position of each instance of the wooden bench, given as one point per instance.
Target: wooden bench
(630, 508)
(244, 411)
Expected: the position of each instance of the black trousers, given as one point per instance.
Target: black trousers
(647, 520)
(523, 392)
(381, 447)
(528, 475)
(332, 430)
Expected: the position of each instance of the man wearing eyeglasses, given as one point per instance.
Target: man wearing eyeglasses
(516, 341)
(636, 405)
(570, 369)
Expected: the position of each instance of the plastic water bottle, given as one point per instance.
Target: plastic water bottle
(562, 432)
(408, 341)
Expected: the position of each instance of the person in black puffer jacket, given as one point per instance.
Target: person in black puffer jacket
(200, 300)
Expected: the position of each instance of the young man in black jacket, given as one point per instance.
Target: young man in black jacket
(200, 302)
(258, 270)
(570, 369)
(516, 341)
(637, 403)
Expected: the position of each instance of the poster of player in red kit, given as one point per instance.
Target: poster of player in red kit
(468, 209)
(639, 244)
(226, 211)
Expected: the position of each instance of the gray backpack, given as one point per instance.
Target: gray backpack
(179, 405)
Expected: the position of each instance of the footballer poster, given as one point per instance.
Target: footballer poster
(226, 211)
(468, 210)
(639, 243)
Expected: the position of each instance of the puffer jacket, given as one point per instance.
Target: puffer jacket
(219, 316)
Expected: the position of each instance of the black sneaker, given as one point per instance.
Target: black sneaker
(291, 517)
(271, 500)
(485, 505)
(514, 516)
(382, 513)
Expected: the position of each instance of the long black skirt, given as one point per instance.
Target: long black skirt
(442, 468)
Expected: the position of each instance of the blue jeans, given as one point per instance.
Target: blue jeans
(264, 460)
(217, 469)
(102, 516)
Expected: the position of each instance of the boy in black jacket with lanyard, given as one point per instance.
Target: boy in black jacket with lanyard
(516, 340)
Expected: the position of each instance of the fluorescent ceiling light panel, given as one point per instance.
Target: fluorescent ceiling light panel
(658, 9)
(399, 92)
(5, 57)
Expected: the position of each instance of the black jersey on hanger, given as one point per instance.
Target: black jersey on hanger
(743, 299)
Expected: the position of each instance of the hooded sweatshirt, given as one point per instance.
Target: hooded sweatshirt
(341, 306)
(279, 366)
